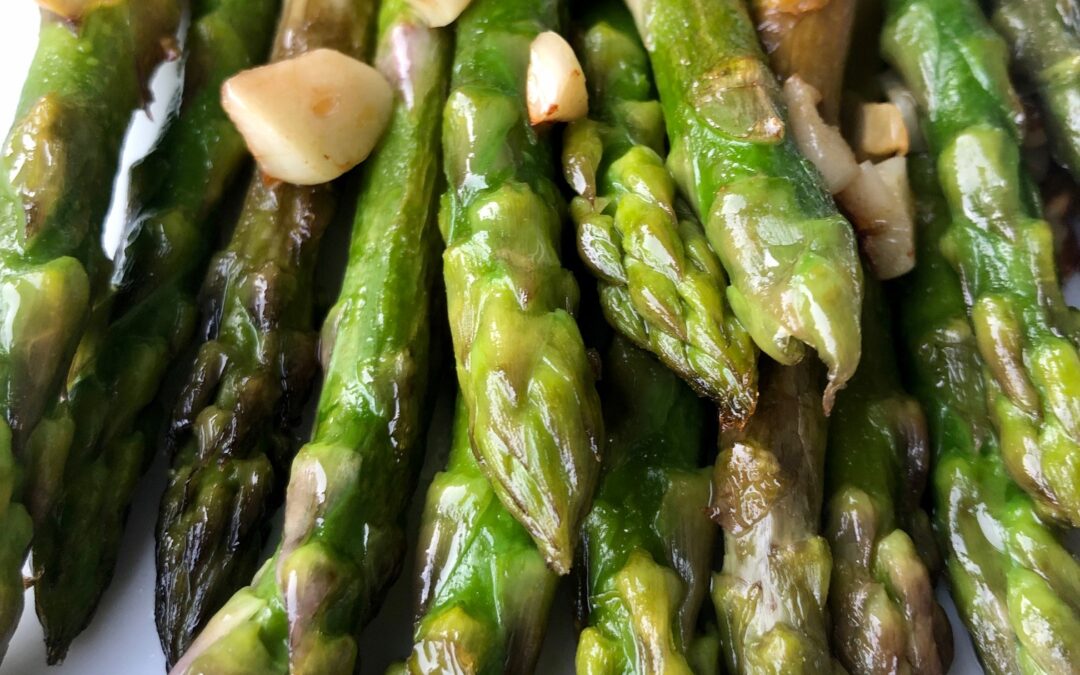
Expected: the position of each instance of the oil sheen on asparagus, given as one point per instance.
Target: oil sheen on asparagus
(534, 415)
(90, 72)
(648, 541)
(792, 259)
(1015, 586)
(344, 539)
(660, 283)
(252, 375)
(1000, 246)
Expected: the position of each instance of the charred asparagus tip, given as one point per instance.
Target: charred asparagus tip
(438, 13)
(555, 84)
(309, 119)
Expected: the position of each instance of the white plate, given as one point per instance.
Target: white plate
(122, 639)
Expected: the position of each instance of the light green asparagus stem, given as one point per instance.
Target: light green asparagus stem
(792, 259)
(484, 588)
(1015, 586)
(534, 414)
(343, 539)
(767, 488)
(956, 66)
(89, 74)
(885, 617)
(660, 283)
(1045, 43)
(648, 541)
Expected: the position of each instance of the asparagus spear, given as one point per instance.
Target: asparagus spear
(648, 542)
(810, 39)
(485, 589)
(149, 311)
(792, 259)
(661, 284)
(343, 540)
(767, 489)
(884, 557)
(998, 243)
(89, 74)
(534, 415)
(1015, 586)
(1044, 40)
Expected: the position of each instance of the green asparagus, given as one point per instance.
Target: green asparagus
(767, 489)
(1044, 40)
(1015, 586)
(796, 279)
(485, 589)
(149, 309)
(534, 414)
(648, 541)
(344, 539)
(1001, 248)
(661, 284)
(90, 73)
(885, 618)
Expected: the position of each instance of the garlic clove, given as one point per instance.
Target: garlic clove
(438, 13)
(555, 84)
(309, 119)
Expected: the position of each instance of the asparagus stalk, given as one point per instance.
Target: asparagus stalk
(148, 313)
(89, 74)
(343, 539)
(648, 542)
(796, 280)
(660, 283)
(534, 415)
(485, 589)
(767, 489)
(885, 618)
(1015, 586)
(1044, 41)
(811, 39)
(1000, 246)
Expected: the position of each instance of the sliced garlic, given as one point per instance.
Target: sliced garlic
(821, 143)
(73, 10)
(555, 85)
(309, 119)
(438, 13)
(880, 131)
(882, 210)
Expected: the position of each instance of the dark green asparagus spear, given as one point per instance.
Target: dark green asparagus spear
(484, 588)
(1045, 42)
(1015, 586)
(885, 617)
(90, 72)
(343, 539)
(956, 66)
(648, 541)
(534, 414)
(767, 488)
(660, 283)
(796, 280)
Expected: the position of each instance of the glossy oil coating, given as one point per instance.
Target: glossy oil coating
(767, 488)
(343, 539)
(795, 275)
(534, 414)
(1044, 36)
(660, 283)
(56, 173)
(998, 243)
(1015, 586)
(648, 541)
(885, 617)
(484, 589)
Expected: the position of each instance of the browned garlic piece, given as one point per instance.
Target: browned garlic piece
(438, 13)
(555, 85)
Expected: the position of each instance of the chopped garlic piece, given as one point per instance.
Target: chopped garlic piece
(72, 10)
(555, 86)
(821, 143)
(880, 204)
(880, 131)
(309, 119)
(439, 13)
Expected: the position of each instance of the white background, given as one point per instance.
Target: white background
(122, 639)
